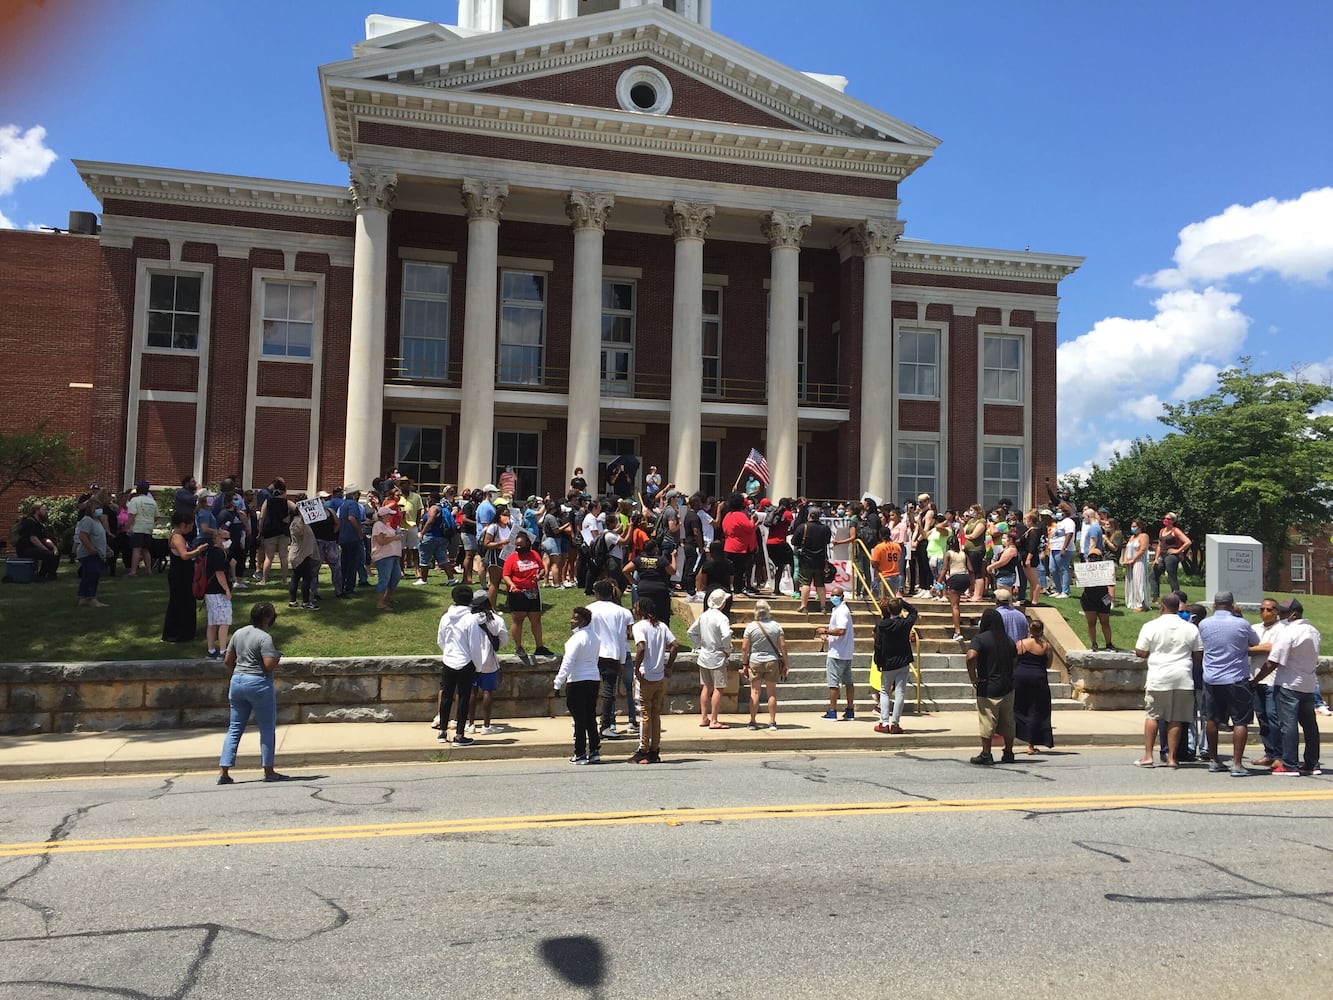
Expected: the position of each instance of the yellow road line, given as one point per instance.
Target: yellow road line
(670, 817)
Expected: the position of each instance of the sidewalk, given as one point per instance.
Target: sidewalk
(314, 745)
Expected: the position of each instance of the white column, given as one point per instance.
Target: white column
(373, 192)
(689, 222)
(784, 231)
(587, 213)
(875, 239)
(476, 424)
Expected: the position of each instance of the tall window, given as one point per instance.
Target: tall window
(1000, 475)
(523, 451)
(289, 319)
(1298, 567)
(712, 341)
(425, 325)
(919, 363)
(173, 311)
(617, 338)
(522, 327)
(1002, 368)
(709, 461)
(421, 454)
(918, 469)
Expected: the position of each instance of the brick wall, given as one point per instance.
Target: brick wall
(282, 446)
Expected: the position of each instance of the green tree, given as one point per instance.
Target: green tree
(1264, 455)
(38, 459)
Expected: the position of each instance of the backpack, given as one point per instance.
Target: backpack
(599, 552)
(199, 584)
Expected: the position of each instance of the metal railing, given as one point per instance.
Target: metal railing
(640, 385)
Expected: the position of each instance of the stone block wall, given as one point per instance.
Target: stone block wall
(192, 694)
(1114, 681)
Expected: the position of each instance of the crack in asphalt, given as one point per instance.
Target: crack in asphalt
(821, 776)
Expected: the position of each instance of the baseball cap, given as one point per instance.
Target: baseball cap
(325, 495)
(1003, 596)
(1224, 599)
(1290, 606)
(142, 484)
(490, 488)
(351, 488)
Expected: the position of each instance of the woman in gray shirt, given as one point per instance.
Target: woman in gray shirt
(91, 550)
(253, 657)
(763, 661)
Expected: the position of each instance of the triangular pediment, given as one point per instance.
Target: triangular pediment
(576, 62)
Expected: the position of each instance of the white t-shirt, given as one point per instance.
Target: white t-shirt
(707, 520)
(1267, 634)
(711, 635)
(143, 511)
(592, 527)
(610, 623)
(1296, 652)
(1062, 530)
(1170, 643)
(841, 647)
(655, 638)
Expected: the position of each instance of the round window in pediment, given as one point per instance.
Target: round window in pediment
(645, 90)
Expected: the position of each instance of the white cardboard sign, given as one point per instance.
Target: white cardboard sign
(312, 510)
(1095, 574)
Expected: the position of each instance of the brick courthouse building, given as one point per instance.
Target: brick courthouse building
(571, 231)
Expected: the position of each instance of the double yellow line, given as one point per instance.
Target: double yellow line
(667, 817)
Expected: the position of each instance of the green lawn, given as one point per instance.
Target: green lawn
(41, 621)
(1125, 625)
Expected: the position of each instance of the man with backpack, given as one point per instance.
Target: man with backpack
(437, 532)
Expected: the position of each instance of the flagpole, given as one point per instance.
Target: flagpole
(737, 484)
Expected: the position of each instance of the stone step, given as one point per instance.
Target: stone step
(863, 707)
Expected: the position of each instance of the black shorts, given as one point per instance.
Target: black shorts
(519, 601)
(959, 582)
(1095, 600)
(1228, 704)
(140, 540)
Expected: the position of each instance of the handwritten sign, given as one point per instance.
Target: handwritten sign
(312, 510)
(1095, 574)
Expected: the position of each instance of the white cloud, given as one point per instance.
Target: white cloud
(1111, 370)
(24, 156)
(1145, 408)
(6, 223)
(1198, 381)
(1102, 456)
(1293, 239)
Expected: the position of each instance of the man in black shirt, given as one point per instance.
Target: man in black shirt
(990, 665)
(693, 545)
(35, 543)
(811, 542)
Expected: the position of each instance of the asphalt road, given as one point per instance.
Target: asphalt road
(767, 875)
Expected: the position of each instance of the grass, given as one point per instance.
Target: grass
(41, 621)
(1125, 625)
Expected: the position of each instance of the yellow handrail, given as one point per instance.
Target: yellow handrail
(884, 582)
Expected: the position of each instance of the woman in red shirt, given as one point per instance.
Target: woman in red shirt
(521, 575)
(740, 542)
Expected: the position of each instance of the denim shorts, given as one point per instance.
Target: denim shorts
(839, 672)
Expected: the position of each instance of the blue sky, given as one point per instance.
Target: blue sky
(1183, 147)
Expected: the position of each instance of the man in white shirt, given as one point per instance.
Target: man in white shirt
(1172, 647)
(610, 627)
(1294, 659)
(594, 523)
(711, 635)
(1265, 702)
(458, 673)
(1062, 550)
(841, 648)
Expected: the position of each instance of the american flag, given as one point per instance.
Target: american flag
(756, 464)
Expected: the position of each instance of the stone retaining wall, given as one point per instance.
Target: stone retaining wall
(1114, 681)
(192, 694)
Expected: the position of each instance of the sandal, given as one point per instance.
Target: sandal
(1144, 763)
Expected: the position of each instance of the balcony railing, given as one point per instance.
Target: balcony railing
(644, 385)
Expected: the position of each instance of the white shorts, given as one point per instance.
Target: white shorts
(219, 609)
(411, 538)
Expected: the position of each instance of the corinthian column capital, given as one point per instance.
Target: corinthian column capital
(373, 188)
(784, 229)
(876, 237)
(484, 199)
(689, 220)
(589, 209)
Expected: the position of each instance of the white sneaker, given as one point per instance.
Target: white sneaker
(958, 637)
(1323, 710)
(492, 729)
(471, 727)
(418, 583)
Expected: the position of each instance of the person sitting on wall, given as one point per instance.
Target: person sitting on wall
(36, 543)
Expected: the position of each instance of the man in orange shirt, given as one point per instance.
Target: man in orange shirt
(887, 560)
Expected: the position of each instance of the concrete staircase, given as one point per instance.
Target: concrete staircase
(944, 683)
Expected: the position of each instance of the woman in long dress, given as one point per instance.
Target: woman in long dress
(1134, 558)
(181, 621)
(1032, 691)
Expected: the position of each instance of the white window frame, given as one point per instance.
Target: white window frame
(271, 280)
(917, 440)
(1016, 494)
(715, 318)
(400, 458)
(1020, 375)
(177, 272)
(619, 387)
(446, 298)
(539, 379)
(918, 331)
(1299, 566)
(536, 469)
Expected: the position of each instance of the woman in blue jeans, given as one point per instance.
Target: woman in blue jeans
(90, 548)
(253, 658)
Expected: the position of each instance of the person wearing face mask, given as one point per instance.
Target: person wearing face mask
(841, 648)
(1172, 544)
(91, 550)
(521, 576)
(181, 621)
(1134, 557)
